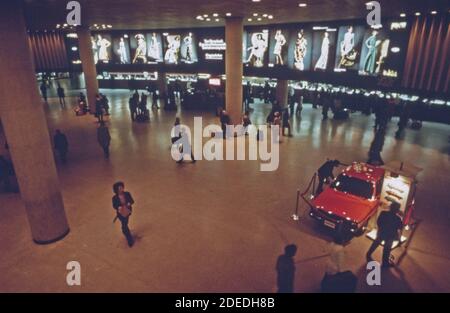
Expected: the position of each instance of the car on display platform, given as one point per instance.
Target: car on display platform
(351, 200)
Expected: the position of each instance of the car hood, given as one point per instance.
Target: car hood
(343, 205)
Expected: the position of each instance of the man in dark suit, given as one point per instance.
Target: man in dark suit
(389, 226)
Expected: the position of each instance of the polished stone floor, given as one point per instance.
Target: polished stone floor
(216, 226)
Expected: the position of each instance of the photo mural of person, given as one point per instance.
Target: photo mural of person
(155, 49)
(188, 49)
(374, 52)
(300, 50)
(321, 64)
(256, 48)
(279, 47)
(173, 45)
(324, 42)
(349, 47)
(139, 45)
(121, 49)
(94, 49)
(103, 43)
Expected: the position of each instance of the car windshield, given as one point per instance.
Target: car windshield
(354, 186)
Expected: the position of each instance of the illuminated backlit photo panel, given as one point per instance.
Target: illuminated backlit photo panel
(138, 47)
(121, 49)
(300, 49)
(188, 49)
(278, 47)
(256, 47)
(375, 50)
(324, 47)
(172, 47)
(348, 50)
(154, 48)
(101, 47)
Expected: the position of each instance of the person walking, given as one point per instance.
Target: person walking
(180, 138)
(43, 88)
(104, 138)
(389, 227)
(61, 96)
(286, 270)
(286, 123)
(132, 103)
(99, 108)
(224, 121)
(61, 145)
(122, 202)
(105, 103)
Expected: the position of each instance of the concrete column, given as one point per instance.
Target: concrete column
(234, 68)
(87, 62)
(25, 127)
(282, 92)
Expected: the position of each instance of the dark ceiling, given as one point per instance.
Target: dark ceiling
(142, 14)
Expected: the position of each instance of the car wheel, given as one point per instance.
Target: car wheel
(362, 229)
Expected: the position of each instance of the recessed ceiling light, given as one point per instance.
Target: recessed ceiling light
(402, 15)
(109, 26)
(208, 19)
(205, 15)
(215, 14)
(256, 0)
(217, 19)
(417, 13)
(249, 20)
(433, 12)
(270, 17)
(228, 14)
(302, 5)
(264, 15)
(199, 17)
(255, 14)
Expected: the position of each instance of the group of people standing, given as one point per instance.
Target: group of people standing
(138, 106)
(59, 90)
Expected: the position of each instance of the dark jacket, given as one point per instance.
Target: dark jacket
(103, 136)
(116, 201)
(285, 273)
(60, 91)
(61, 143)
(326, 170)
(389, 224)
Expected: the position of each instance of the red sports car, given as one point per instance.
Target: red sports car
(351, 199)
